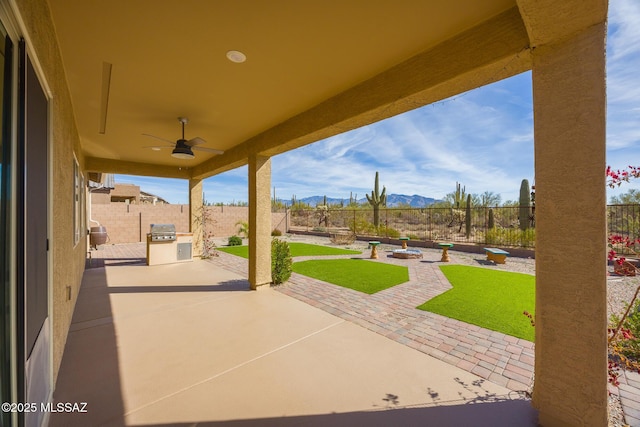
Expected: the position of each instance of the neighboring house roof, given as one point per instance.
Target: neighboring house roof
(144, 196)
(101, 180)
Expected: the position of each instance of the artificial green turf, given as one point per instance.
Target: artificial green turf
(491, 299)
(358, 274)
(297, 249)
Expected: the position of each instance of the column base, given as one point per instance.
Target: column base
(260, 287)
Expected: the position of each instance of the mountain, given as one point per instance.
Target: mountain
(415, 201)
(393, 200)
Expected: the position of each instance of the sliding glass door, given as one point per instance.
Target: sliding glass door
(6, 167)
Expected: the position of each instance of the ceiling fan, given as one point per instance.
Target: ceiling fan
(182, 149)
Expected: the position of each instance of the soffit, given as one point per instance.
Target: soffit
(168, 60)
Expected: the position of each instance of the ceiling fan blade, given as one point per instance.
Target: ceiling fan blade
(161, 139)
(208, 150)
(195, 141)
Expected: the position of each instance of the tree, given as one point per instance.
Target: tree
(243, 228)
(630, 197)
(489, 198)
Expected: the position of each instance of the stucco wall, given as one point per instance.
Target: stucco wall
(67, 259)
(130, 223)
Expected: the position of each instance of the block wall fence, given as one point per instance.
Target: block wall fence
(130, 223)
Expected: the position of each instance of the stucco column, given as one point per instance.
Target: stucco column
(195, 214)
(259, 221)
(569, 126)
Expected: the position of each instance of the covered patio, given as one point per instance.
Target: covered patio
(169, 345)
(85, 83)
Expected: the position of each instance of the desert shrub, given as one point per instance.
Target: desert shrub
(493, 236)
(528, 238)
(630, 346)
(276, 233)
(362, 226)
(235, 241)
(366, 228)
(511, 237)
(413, 236)
(345, 238)
(280, 261)
(388, 232)
(624, 343)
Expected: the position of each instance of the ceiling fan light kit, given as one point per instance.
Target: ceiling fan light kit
(182, 151)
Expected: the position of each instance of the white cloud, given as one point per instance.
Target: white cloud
(423, 152)
(623, 81)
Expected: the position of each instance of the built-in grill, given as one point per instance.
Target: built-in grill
(163, 232)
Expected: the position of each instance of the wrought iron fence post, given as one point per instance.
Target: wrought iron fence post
(355, 228)
(485, 225)
(386, 222)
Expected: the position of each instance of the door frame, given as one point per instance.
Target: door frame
(16, 29)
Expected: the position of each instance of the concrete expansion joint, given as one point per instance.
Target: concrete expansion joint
(233, 368)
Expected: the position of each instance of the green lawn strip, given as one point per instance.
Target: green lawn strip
(491, 299)
(358, 274)
(297, 249)
(242, 251)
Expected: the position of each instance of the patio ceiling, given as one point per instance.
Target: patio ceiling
(311, 67)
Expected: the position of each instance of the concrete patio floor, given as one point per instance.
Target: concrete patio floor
(188, 344)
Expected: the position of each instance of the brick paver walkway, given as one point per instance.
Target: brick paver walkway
(123, 254)
(629, 393)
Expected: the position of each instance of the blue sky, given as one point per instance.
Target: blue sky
(482, 139)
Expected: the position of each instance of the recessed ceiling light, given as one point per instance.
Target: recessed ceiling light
(155, 148)
(236, 56)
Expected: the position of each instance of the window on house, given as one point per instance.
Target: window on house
(77, 201)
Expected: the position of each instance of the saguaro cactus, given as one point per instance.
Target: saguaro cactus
(467, 217)
(376, 200)
(525, 204)
(458, 196)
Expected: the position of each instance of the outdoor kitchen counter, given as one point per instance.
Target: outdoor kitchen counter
(169, 252)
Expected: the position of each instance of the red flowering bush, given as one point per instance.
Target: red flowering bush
(624, 347)
(621, 243)
(617, 177)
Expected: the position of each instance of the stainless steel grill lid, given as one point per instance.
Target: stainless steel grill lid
(163, 232)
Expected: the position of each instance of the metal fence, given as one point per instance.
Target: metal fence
(446, 224)
(437, 224)
(624, 220)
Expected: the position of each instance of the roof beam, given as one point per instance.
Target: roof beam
(96, 164)
(491, 51)
(552, 21)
